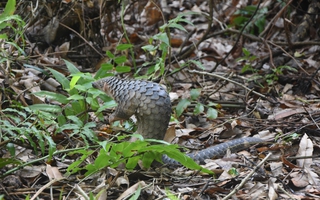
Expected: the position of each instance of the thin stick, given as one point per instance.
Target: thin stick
(231, 81)
(236, 189)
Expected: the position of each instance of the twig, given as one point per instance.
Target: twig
(290, 57)
(236, 189)
(44, 187)
(86, 41)
(274, 19)
(287, 193)
(231, 81)
(238, 39)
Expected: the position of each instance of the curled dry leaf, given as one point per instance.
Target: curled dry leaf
(305, 149)
(53, 173)
(272, 186)
(122, 181)
(131, 190)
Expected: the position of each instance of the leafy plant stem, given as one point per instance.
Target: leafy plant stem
(43, 158)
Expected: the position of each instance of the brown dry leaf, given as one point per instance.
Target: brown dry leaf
(313, 177)
(276, 168)
(305, 149)
(170, 134)
(288, 163)
(254, 190)
(31, 172)
(272, 194)
(176, 42)
(122, 181)
(53, 173)
(286, 113)
(267, 135)
(50, 84)
(185, 132)
(131, 190)
(225, 175)
(151, 14)
(63, 50)
(299, 179)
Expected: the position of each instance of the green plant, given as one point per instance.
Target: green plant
(248, 60)
(270, 78)
(72, 113)
(276, 72)
(211, 112)
(129, 153)
(21, 123)
(161, 43)
(243, 15)
(6, 18)
(115, 63)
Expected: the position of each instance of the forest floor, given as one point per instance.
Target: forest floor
(233, 69)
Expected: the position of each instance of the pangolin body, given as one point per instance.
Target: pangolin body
(148, 101)
(151, 105)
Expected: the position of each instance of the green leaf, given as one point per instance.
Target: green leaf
(182, 105)
(195, 93)
(148, 158)
(71, 68)
(107, 66)
(3, 36)
(103, 71)
(46, 107)
(246, 67)
(132, 162)
(11, 149)
(212, 113)
(197, 63)
(136, 194)
(246, 52)
(122, 47)
(233, 172)
(10, 8)
(61, 79)
(260, 22)
(123, 69)
(9, 161)
(174, 153)
(178, 26)
(186, 21)
(163, 38)
(52, 145)
(73, 167)
(17, 47)
(120, 59)
(106, 105)
(149, 48)
(74, 81)
(198, 109)
(76, 97)
(75, 120)
(52, 95)
(239, 21)
(171, 196)
(110, 55)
